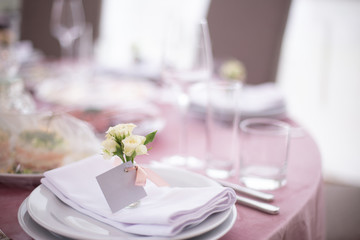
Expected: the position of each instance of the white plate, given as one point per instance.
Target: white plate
(35, 231)
(54, 215)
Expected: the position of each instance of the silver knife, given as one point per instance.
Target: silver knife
(247, 191)
(264, 207)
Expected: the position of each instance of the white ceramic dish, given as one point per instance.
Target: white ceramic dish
(54, 215)
(35, 231)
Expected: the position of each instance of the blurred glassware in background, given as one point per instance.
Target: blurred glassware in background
(222, 124)
(82, 66)
(13, 97)
(132, 33)
(9, 21)
(187, 59)
(67, 24)
(9, 65)
(8, 35)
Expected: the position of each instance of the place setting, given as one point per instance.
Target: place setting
(112, 196)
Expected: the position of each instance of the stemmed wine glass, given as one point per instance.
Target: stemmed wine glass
(187, 60)
(67, 24)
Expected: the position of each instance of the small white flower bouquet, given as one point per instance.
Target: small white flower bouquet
(122, 143)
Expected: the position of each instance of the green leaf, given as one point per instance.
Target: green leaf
(150, 137)
(133, 156)
(119, 152)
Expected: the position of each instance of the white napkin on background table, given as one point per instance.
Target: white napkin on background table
(261, 98)
(255, 100)
(166, 211)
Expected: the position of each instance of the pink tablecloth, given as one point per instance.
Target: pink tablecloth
(300, 201)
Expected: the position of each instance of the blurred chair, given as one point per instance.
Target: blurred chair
(250, 31)
(35, 24)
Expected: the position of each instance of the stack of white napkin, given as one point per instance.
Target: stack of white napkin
(165, 211)
(262, 100)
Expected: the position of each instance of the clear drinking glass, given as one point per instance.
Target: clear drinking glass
(67, 24)
(264, 153)
(222, 125)
(187, 59)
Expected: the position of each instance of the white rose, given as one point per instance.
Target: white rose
(106, 155)
(134, 143)
(141, 150)
(109, 147)
(121, 130)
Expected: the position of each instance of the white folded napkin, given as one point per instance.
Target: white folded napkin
(261, 98)
(165, 211)
(255, 100)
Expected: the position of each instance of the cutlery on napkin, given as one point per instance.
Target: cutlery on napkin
(247, 191)
(263, 207)
(166, 211)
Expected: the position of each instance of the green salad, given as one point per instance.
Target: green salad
(41, 139)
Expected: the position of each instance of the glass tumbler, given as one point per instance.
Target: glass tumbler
(264, 153)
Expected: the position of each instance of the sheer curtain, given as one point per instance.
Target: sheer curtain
(320, 75)
(131, 31)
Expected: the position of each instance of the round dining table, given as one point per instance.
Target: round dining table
(300, 201)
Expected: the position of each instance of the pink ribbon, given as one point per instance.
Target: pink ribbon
(144, 173)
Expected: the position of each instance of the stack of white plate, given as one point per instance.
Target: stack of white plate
(43, 216)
